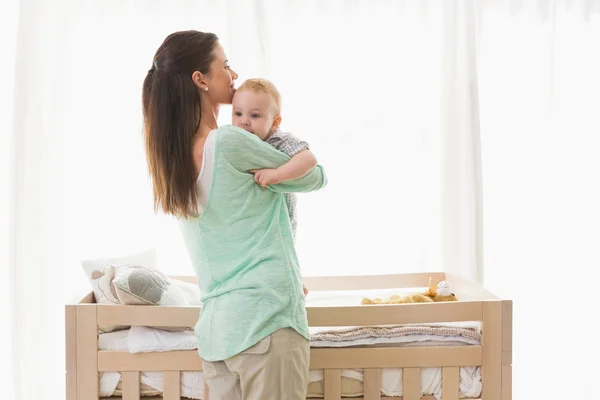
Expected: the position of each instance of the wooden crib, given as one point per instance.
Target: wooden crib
(84, 361)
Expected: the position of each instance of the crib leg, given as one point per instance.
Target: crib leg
(491, 370)
(71, 351)
(507, 322)
(87, 353)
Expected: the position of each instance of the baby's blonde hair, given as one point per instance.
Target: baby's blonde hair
(258, 85)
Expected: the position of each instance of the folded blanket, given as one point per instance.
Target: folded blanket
(365, 332)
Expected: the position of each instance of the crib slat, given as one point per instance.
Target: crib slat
(411, 383)
(450, 376)
(491, 370)
(131, 385)
(333, 384)
(171, 385)
(372, 384)
(88, 386)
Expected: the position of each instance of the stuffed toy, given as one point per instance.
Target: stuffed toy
(105, 284)
(441, 292)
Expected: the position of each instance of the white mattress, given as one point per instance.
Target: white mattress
(143, 339)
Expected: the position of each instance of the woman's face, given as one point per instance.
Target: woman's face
(220, 79)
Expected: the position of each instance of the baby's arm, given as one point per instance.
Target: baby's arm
(244, 151)
(300, 165)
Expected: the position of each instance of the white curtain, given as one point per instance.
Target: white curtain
(539, 92)
(8, 43)
(419, 110)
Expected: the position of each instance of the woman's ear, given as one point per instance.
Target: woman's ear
(199, 80)
(276, 123)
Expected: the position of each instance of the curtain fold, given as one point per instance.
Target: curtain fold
(9, 14)
(462, 224)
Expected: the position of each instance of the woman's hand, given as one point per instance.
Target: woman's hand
(305, 290)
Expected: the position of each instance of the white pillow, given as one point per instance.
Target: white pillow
(192, 291)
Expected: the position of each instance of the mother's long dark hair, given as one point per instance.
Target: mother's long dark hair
(171, 107)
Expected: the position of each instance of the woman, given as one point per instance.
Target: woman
(252, 332)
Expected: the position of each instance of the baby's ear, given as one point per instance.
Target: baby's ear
(276, 123)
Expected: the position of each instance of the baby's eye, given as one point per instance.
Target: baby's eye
(255, 115)
(237, 114)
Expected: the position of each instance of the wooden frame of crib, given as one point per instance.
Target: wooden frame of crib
(84, 361)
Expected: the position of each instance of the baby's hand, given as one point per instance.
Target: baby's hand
(264, 177)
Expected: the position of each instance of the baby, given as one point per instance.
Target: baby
(256, 108)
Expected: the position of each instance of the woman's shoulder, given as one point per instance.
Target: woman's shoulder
(245, 150)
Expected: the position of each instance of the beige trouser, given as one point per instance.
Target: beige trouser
(276, 368)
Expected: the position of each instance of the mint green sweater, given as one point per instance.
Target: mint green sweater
(242, 249)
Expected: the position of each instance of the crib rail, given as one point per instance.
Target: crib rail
(391, 314)
(328, 358)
